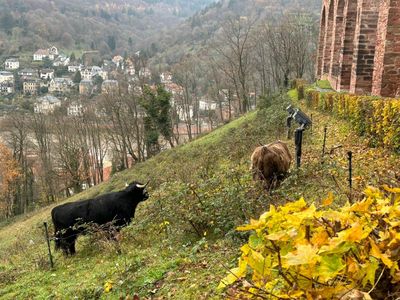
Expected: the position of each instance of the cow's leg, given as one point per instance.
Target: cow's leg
(71, 242)
(64, 245)
(67, 242)
(72, 246)
(57, 239)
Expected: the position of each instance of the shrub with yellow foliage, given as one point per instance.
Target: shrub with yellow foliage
(300, 251)
(8, 176)
(376, 118)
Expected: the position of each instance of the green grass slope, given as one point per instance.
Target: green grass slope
(183, 238)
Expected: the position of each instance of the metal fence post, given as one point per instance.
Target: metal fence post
(350, 157)
(324, 144)
(298, 140)
(48, 245)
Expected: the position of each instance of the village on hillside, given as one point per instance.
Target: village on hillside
(52, 83)
(53, 80)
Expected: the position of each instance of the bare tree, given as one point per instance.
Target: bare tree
(234, 51)
(304, 43)
(186, 74)
(43, 140)
(95, 127)
(70, 153)
(286, 47)
(16, 136)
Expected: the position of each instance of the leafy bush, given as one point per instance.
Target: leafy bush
(373, 117)
(324, 84)
(297, 82)
(298, 251)
(200, 206)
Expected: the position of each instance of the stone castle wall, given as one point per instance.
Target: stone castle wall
(359, 46)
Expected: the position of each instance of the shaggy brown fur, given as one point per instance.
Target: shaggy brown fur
(271, 163)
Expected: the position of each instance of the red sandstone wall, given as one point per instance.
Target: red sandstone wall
(364, 49)
(346, 59)
(359, 46)
(321, 46)
(390, 86)
(380, 46)
(329, 37)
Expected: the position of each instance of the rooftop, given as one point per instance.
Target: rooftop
(42, 52)
(48, 98)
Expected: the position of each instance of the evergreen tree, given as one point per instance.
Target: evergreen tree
(111, 42)
(77, 77)
(47, 63)
(158, 117)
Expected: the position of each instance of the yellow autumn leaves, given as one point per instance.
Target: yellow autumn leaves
(9, 176)
(377, 118)
(297, 249)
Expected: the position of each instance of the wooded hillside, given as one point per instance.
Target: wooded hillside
(32, 24)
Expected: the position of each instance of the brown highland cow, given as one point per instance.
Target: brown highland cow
(271, 163)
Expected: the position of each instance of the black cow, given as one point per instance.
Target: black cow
(69, 219)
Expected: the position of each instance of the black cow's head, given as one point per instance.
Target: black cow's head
(138, 190)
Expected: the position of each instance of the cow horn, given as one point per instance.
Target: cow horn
(126, 184)
(142, 186)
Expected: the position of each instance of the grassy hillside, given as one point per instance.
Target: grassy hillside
(182, 240)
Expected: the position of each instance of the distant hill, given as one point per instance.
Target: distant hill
(107, 25)
(199, 30)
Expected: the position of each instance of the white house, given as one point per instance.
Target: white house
(40, 54)
(50, 53)
(46, 74)
(31, 86)
(86, 74)
(46, 104)
(144, 72)
(6, 76)
(90, 72)
(6, 88)
(74, 109)
(100, 72)
(74, 69)
(130, 71)
(184, 114)
(61, 61)
(207, 105)
(166, 77)
(60, 85)
(28, 72)
(11, 63)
